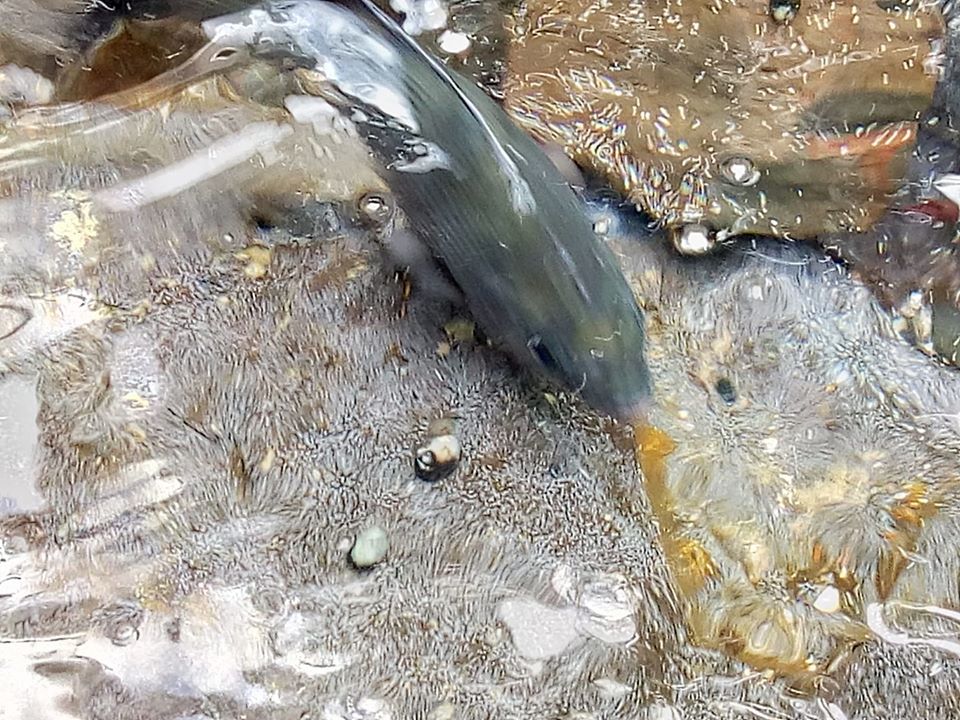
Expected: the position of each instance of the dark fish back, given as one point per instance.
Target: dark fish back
(523, 217)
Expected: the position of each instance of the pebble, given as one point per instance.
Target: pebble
(828, 601)
(444, 711)
(740, 171)
(438, 458)
(441, 454)
(22, 86)
(694, 239)
(370, 547)
(421, 15)
(784, 11)
(453, 43)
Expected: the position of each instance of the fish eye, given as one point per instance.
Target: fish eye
(541, 353)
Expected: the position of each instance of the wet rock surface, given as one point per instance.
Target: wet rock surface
(286, 408)
(710, 145)
(796, 511)
(222, 408)
(911, 255)
(716, 113)
(278, 420)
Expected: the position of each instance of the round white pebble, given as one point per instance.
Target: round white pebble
(694, 239)
(370, 547)
(828, 600)
(453, 43)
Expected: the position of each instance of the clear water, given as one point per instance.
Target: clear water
(213, 381)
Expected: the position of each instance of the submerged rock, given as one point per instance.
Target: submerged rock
(207, 451)
(912, 255)
(283, 415)
(804, 465)
(222, 408)
(716, 113)
(811, 128)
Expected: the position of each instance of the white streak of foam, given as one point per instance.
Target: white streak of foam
(830, 711)
(878, 625)
(949, 185)
(421, 15)
(218, 157)
(932, 609)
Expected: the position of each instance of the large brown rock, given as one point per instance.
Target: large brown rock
(712, 112)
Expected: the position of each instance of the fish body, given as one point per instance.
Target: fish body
(477, 191)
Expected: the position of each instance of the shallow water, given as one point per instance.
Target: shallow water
(214, 381)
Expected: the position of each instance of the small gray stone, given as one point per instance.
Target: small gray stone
(370, 547)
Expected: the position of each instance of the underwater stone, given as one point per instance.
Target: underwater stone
(370, 547)
(438, 458)
(655, 96)
(375, 208)
(740, 171)
(694, 239)
(784, 11)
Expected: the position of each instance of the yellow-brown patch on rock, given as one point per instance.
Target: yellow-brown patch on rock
(711, 112)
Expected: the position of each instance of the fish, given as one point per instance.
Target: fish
(476, 190)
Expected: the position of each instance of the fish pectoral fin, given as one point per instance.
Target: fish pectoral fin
(406, 250)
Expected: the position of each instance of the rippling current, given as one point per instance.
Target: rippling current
(249, 467)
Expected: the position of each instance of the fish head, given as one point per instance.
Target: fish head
(597, 351)
(344, 50)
